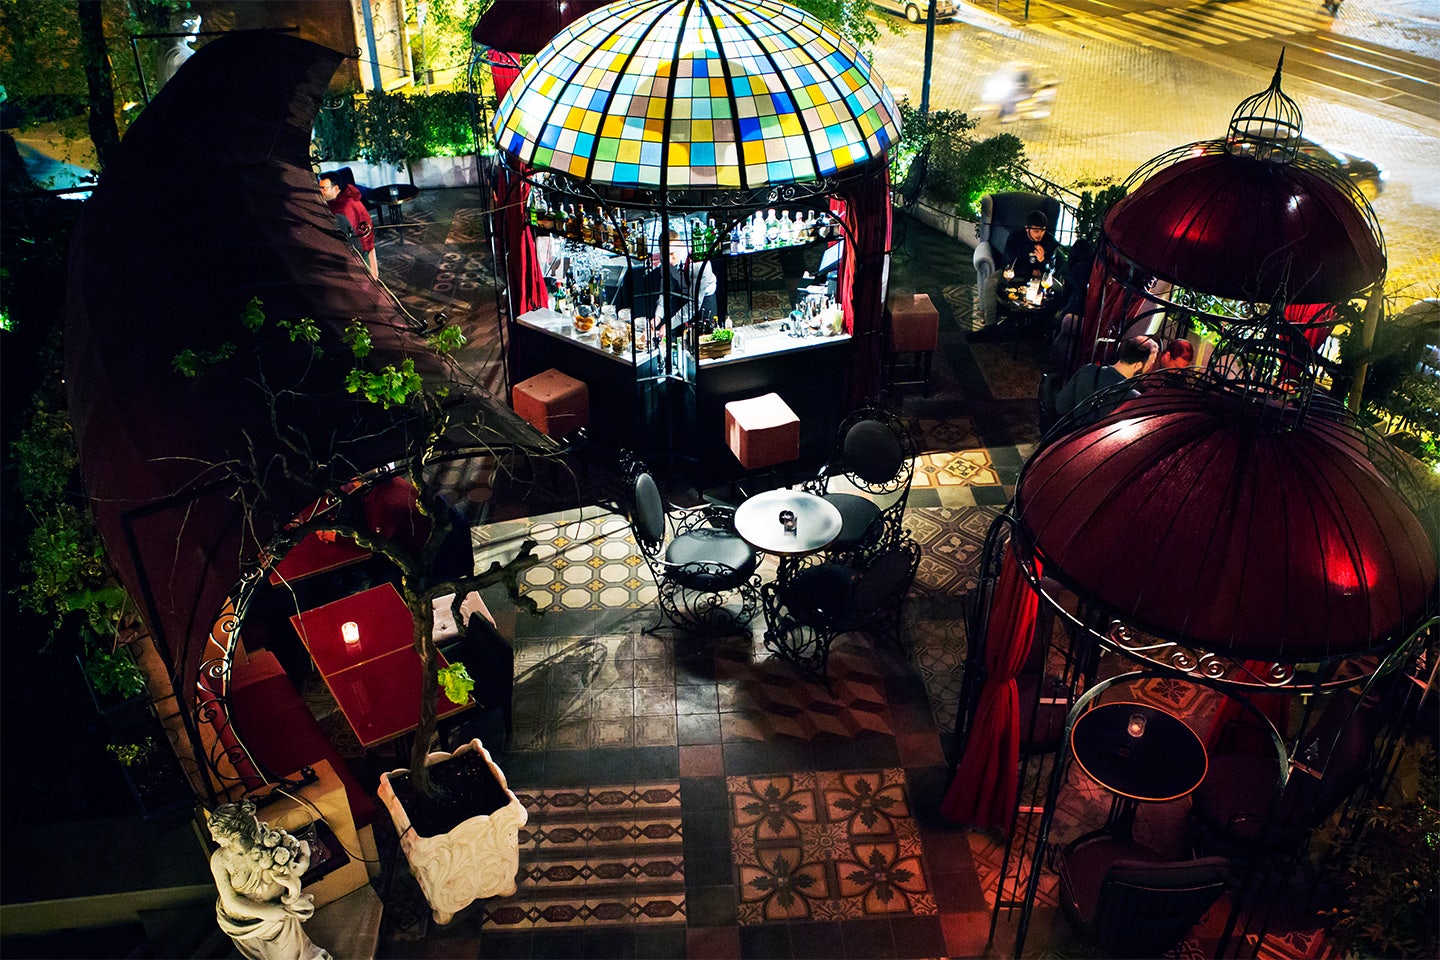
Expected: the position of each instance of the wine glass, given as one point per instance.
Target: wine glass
(1047, 282)
(1009, 273)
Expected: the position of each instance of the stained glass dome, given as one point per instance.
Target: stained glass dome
(697, 94)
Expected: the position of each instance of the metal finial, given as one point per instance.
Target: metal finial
(1267, 125)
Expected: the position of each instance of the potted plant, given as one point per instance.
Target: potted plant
(153, 774)
(116, 684)
(717, 343)
(421, 419)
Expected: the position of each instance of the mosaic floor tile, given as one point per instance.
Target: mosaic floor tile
(833, 845)
(596, 857)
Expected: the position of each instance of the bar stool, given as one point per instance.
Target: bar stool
(914, 329)
(555, 404)
(762, 432)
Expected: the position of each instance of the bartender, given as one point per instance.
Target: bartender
(687, 282)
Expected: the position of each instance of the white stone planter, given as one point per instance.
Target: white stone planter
(479, 858)
(426, 173)
(431, 172)
(370, 174)
(966, 231)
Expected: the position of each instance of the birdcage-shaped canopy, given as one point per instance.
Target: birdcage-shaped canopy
(1196, 514)
(1250, 218)
(697, 94)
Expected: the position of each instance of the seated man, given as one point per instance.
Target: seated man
(1032, 251)
(1130, 360)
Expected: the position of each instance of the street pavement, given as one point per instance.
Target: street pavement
(1138, 77)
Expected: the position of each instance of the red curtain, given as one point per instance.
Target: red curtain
(504, 68)
(522, 263)
(983, 790)
(866, 214)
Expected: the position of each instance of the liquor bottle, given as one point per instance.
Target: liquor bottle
(772, 228)
(712, 234)
(573, 229)
(734, 246)
(534, 207)
(620, 238)
(587, 227)
(642, 248)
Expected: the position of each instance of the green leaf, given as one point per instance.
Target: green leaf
(456, 682)
(253, 316)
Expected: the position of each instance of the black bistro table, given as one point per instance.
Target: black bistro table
(812, 525)
(391, 199)
(1140, 754)
(1025, 315)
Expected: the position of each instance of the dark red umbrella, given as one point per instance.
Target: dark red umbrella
(525, 26)
(1201, 516)
(1234, 226)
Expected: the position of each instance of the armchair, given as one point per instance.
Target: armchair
(698, 561)
(867, 477)
(344, 176)
(809, 607)
(1002, 214)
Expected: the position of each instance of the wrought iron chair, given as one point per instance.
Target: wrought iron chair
(875, 460)
(812, 605)
(698, 561)
(1131, 902)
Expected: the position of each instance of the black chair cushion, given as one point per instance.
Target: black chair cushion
(710, 546)
(873, 452)
(883, 583)
(649, 517)
(821, 594)
(857, 513)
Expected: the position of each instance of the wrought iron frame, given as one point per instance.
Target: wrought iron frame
(678, 596)
(888, 525)
(804, 639)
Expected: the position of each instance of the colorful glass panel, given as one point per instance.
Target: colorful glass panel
(697, 93)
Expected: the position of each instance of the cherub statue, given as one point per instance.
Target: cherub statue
(178, 49)
(258, 871)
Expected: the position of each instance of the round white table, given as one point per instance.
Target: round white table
(817, 522)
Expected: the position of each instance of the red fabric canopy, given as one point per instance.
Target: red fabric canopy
(525, 26)
(1246, 229)
(1190, 518)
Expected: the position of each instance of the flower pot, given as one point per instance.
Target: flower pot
(156, 781)
(122, 713)
(478, 856)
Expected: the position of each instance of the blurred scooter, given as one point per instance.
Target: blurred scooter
(1019, 91)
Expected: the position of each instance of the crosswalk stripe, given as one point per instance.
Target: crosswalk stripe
(1224, 18)
(1104, 30)
(1179, 33)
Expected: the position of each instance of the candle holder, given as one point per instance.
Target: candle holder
(1136, 725)
(350, 632)
(787, 521)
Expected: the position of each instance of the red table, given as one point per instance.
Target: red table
(314, 555)
(376, 680)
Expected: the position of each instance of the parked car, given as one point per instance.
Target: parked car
(917, 10)
(1366, 175)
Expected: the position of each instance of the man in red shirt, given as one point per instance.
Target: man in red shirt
(345, 201)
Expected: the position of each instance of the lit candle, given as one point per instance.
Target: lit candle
(350, 630)
(1136, 726)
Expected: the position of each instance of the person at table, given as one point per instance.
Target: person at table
(1130, 361)
(1031, 252)
(689, 284)
(345, 203)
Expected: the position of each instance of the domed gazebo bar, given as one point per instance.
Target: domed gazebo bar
(654, 151)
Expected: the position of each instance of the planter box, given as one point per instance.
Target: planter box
(966, 231)
(478, 858)
(426, 173)
(432, 172)
(711, 349)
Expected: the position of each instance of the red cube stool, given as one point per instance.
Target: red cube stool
(553, 403)
(762, 431)
(914, 329)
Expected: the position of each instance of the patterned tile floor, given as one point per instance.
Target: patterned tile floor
(697, 798)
